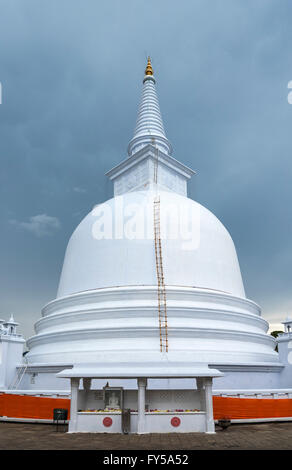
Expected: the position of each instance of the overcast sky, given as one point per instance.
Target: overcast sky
(71, 74)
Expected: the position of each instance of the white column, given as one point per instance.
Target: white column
(210, 426)
(142, 383)
(74, 404)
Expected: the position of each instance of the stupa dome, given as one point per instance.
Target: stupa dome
(197, 249)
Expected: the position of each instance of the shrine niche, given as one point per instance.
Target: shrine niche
(113, 398)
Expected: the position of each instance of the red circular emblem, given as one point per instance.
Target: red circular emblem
(175, 422)
(107, 422)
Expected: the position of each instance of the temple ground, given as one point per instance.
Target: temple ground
(19, 436)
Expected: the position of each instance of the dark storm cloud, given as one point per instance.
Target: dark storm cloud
(71, 74)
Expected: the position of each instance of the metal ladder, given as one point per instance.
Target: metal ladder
(162, 312)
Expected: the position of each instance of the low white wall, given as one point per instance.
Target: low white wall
(154, 422)
(93, 422)
(189, 422)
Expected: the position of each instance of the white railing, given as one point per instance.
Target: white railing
(18, 377)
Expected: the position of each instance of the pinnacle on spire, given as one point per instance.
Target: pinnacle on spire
(149, 69)
(149, 126)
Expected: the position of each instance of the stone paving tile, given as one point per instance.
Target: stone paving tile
(20, 436)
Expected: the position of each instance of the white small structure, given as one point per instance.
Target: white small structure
(287, 325)
(142, 420)
(11, 348)
(284, 341)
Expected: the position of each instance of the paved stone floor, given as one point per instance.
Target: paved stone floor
(21, 436)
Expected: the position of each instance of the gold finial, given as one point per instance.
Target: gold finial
(149, 69)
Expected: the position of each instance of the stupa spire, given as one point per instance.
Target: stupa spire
(149, 70)
(149, 126)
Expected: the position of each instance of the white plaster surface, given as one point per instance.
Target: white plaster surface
(92, 263)
(154, 422)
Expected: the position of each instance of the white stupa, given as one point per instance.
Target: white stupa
(114, 283)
